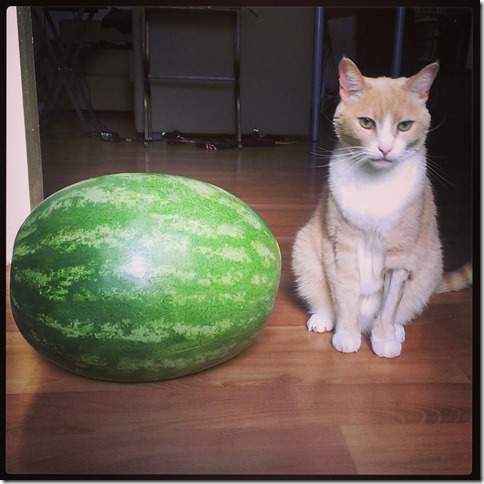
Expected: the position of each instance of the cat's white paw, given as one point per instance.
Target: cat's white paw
(319, 323)
(390, 348)
(400, 332)
(346, 342)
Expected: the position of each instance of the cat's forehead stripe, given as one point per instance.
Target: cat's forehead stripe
(391, 102)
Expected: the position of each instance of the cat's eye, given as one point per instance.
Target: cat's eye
(367, 123)
(404, 125)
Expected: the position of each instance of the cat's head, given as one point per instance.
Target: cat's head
(385, 120)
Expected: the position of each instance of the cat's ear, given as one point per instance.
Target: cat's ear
(421, 83)
(351, 81)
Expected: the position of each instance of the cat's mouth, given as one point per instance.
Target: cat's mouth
(380, 163)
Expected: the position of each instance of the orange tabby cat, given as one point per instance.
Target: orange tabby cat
(370, 257)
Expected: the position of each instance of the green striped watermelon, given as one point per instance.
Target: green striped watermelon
(142, 277)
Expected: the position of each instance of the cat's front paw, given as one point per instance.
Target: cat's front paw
(346, 342)
(400, 332)
(319, 323)
(390, 348)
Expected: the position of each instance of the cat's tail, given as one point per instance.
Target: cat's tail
(456, 280)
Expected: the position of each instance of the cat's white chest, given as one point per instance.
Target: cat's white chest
(371, 202)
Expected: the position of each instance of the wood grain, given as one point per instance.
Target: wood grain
(288, 405)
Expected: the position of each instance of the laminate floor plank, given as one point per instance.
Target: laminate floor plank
(413, 449)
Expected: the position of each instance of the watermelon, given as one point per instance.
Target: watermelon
(142, 277)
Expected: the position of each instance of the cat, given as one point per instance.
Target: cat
(370, 256)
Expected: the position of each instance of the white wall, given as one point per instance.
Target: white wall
(18, 199)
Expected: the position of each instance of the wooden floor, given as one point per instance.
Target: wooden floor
(290, 404)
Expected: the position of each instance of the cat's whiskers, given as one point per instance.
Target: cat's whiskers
(356, 155)
(435, 128)
(351, 153)
(323, 154)
(435, 171)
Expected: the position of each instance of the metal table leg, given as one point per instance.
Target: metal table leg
(398, 45)
(148, 77)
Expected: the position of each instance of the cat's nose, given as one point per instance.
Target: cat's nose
(384, 150)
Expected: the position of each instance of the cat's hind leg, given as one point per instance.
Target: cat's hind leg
(320, 322)
(314, 289)
(311, 281)
(386, 336)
